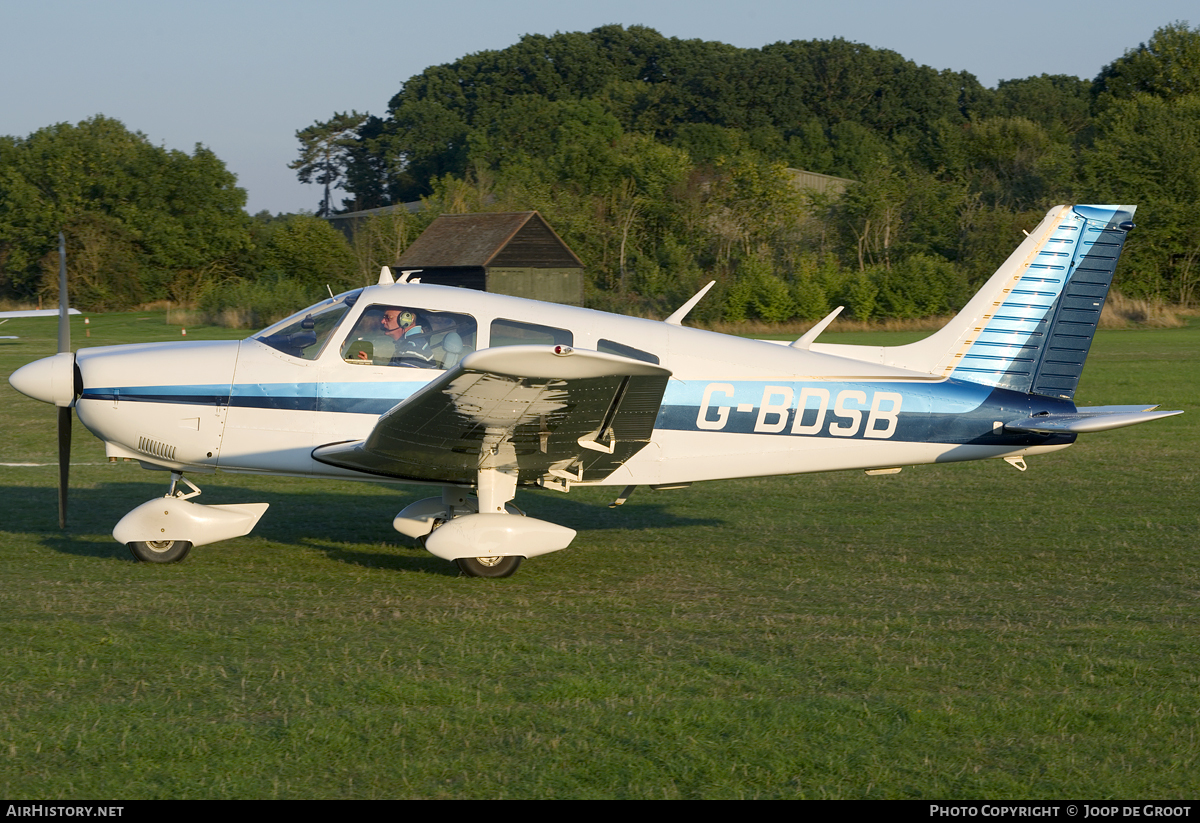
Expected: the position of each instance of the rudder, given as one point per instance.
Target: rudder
(1076, 314)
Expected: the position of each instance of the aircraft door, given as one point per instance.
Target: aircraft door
(272, 409)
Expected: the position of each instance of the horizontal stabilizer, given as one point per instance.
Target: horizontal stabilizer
(1089, 419)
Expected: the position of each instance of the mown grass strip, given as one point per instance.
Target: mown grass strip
(950, 632)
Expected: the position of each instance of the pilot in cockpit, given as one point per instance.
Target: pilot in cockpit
(396, 338)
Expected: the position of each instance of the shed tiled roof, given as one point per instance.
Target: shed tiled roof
(518, 239)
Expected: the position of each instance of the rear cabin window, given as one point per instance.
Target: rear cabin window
(512, 333)
(610, 347)
(389, 335)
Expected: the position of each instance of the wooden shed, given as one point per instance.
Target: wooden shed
(514, 253)
(819, 183)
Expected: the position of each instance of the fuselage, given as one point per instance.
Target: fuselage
(733, 407)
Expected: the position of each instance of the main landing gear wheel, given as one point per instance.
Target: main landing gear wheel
(164, 551)
(488, 566)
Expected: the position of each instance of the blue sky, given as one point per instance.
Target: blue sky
(241, 77)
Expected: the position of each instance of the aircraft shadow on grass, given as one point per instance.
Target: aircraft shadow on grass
(322, 520)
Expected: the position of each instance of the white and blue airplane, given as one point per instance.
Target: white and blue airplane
(5, 316)
(483, 394)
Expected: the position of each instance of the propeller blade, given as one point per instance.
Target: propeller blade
(64, 319)
(64, 462)
(64, 412)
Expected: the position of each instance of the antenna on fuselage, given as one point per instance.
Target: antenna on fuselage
(805, 340)
(385, 277)
(676, 318)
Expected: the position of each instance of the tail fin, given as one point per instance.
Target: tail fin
(1031, 325)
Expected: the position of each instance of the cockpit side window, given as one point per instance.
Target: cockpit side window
(405, 336)
(306, 332)
(612, 347)
(513, 333)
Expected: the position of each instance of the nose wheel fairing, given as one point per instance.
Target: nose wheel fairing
(155, 527)
(171, 518)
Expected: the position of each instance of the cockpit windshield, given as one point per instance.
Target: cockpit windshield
(306, 332)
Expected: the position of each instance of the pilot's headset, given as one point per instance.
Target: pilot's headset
(406, 320)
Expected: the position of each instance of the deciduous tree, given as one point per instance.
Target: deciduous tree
(143, 213)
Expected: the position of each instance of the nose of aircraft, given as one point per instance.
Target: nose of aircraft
(51, 379)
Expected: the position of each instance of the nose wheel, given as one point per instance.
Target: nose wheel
(488, 566)
(160, 551)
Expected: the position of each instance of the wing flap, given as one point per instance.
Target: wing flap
(541, 412)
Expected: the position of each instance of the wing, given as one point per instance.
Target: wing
(1089, 419)
(545, 413)
(35, 313)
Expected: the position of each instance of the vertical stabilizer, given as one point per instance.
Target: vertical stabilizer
(1037, 333)
(1031, 325)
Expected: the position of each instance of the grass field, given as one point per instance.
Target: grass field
(962, 631)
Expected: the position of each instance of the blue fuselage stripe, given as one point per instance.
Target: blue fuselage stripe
(949, 411)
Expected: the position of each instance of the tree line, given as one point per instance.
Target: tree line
(663, 163)
(144, 223)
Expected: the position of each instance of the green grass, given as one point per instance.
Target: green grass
(961, 631)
